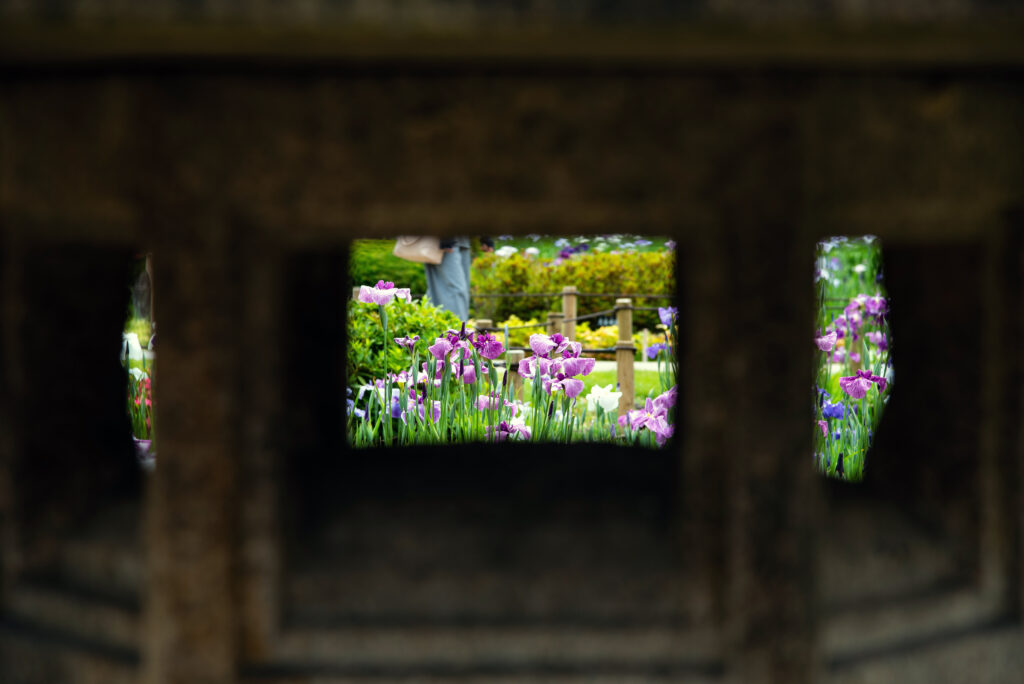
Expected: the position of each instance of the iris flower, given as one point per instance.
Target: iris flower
(836, 410)
(655, 349)
(407, 342)
(666, 400)
(383, 293)
(603, 397)
(826, 342)
(489, 346)
(667, 314)
(644, 417)
(441, 348)
(857, 386)
(506, 430)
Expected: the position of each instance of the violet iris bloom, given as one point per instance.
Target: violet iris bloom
(578, 366)
(436, 411)
(643, 417)
(468, 373)
(542, 344)
(662, 429)
(571, 386)
(488, 346)
(875, 305)
(655, 349)
(440, 348)
(826, 342)
(878, 339)
(666, 400)
(506, 430)
(407, 342)
(824, 428)
(667, 315)
(857, 386)
(383, 293)
(836, 410)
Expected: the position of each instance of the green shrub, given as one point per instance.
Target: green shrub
(652, 272)
(405, 319)
(372, 260)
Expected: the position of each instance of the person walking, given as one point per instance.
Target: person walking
(448, 282)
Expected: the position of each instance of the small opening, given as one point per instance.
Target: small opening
(138, 356)
(512, 339)
(854, 374)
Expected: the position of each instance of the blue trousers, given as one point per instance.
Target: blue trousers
(448, 282)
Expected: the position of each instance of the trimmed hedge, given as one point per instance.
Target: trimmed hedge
(650, 272)
(405, 319)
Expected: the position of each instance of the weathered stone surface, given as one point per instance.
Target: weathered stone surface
(271, 552)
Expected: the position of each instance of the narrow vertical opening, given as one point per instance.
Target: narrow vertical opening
(854, 373)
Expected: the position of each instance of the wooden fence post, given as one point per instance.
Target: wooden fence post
(569, 312)
(355, 293)
(484, 324)
(555, 322)
(514, 358)
(624, 352)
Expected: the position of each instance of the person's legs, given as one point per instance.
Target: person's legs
(467, 259)
(447, 286)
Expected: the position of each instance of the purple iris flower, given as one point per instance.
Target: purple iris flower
(667, 314)
(436, 411)
(643, 243)
(655, 349)
(662, 429)
(878, 339)
(670, 245)
(488, 345)
(827, 341)
(396, 408)
(407, 342)
(468, 373)
(571, 386)
(440, 349)
(836, 410)
(644, 417)
(542, 344)
(857, 386)
(666, 400)
(875, 305)
(824, 428)
(505, 430)
(578, 366)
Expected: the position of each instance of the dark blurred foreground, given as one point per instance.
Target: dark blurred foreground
(244, 143)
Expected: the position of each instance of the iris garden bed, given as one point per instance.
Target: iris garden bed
(854, 366)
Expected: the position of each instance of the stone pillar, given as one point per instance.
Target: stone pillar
(10, 375)
(749, 482)
(190, 527)
(260, 423)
